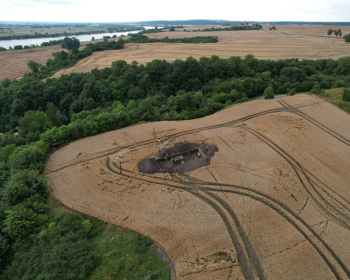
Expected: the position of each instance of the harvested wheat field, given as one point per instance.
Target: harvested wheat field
(274, 189)
(13, 64)
(312, 30)
(263, 44)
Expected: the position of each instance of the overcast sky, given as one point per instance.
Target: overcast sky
(141, 10)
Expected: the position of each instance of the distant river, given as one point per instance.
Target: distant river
(83, 38)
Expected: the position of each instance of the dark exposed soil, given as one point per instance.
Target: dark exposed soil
(181, 158)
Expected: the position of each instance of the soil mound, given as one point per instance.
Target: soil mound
(182, 157)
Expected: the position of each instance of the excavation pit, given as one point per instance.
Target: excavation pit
(181, 158)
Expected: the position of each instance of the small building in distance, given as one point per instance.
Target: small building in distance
(16, 129)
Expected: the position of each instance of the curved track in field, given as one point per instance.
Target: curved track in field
(246, 255)
(329, 202)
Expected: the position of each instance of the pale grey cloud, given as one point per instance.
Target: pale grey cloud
(140, 10)
(57, 2)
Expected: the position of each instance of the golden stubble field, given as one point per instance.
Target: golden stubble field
(277, 190)
(264, 44)
(319, 30)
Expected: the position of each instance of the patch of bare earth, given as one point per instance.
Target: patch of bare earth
(275, 195)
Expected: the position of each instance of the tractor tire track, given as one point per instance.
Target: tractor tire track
(273, 204)
(242, 259)
(322, 248)
(315, 122)
(170, 138)
(327, 208)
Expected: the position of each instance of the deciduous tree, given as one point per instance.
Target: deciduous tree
(71, 43)
(340, 33)
(346, 95)
(34, 66)
(34, 122)
(268, 93)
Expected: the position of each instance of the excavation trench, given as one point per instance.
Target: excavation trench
(182, 157)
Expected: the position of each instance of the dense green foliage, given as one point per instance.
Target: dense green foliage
(233, 28)
(139, 38)
(63, 59)
(336, 32)
(292, 91)
(71, 43)
(152, 30)
(316, 89)
(129, 256)
(5, 82)
(43, 44)
(346, 95)
(268, 93)
(347, 38)
(50, 43)
(159, 90)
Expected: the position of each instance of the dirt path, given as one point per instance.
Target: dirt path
(276, 191)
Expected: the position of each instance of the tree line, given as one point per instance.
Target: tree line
(233, 28)
(335, 32)
(338, 33)
(43, 44)
(347, 38)
(139, 38)
(219, 81)
(63, 59)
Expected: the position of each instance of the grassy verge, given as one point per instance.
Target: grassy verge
(334, 96)
(123, 254)
(126, 255)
